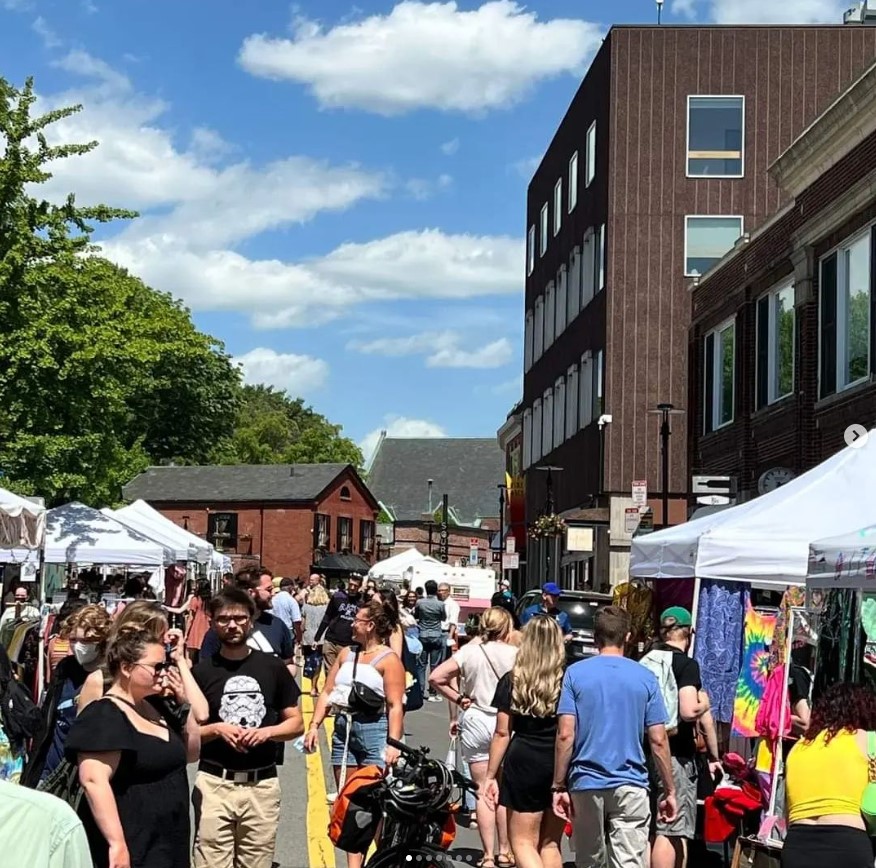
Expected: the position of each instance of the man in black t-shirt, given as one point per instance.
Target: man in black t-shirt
(253, 703)
(337, 623)
(670, 839)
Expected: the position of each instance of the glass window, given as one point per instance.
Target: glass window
(598, 382)
(322, 531)
(591, 153)
(599, 250)
(573, 182)
(585, 400)
(574, 291)
(559, 412)
(562, 300)
(715, 133)
(530, 251)
(720, 368)
(550, 315)
(547, 443)
(707, 240)
(345, 534)
(544, 230)
(775, 345)
(527, 439)
(588, 267)
(558, 206)
(536, 431)
(366, 537)
(572, 402)
(538, 330)
(527, 341)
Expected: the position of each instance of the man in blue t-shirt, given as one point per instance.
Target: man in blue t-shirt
(550, 594)
(608, 705)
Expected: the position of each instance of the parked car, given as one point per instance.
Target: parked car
(581, 607)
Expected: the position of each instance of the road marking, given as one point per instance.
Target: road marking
(320, 851)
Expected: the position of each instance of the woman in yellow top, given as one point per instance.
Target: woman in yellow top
(825, 780)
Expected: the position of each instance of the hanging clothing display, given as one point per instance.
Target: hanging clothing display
(836, 639)
(757, 639)
(638, 601)
(718, 645)
(794, 598)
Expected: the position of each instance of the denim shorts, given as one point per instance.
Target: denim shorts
(367, 741)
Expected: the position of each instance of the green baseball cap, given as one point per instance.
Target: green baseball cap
(676, 616)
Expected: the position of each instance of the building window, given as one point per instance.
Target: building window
(573, 182)
(707, 240)
(536, 430)
(345, 534)
(547, 435)
(322, 527)
(366, 537)
(775, 345)
(538, 330)
(845, 314)
(558, 206)
(599, 253)
(571, 402)
(715, 133)
(527, 342)
(587, 266)
(530, 251)
(527, 439)
(585, 397)
(222, 530)
(550, 315)
(543, 241)
(720, 367)
(574, 291)
(562, 300)
(598, 383)
(591, 154)
(559, 412)
(345, 493)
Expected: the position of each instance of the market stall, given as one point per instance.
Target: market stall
(142, 518)
(397, 567)
(22, 522)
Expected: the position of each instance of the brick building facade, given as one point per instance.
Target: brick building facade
(783, 338)
(288, 517)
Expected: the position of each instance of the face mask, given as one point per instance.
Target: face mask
(85, 653)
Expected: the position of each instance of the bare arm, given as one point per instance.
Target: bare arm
(321, 709)
(659, 743)
(442, 678)
(563, 748)
(91, 690)
(499, 744)
(800, 716)
(96, 770)
(397, 641)
(707, 722)
(692, 704)
(394, 688)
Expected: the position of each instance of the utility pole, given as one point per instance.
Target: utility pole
(444, 535)
(665, 411)
(502, 489)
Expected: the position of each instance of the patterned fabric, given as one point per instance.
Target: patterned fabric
(638, 601)
(718, 645)
(794, 597)
(11, 765)
(758, 636)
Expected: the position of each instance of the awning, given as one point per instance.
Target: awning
(340, 563)
(22, 522)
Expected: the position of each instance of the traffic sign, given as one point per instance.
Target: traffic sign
(640, 492)
(511, 561)
(631, 519)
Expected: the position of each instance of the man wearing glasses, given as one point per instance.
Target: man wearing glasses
(253, 703)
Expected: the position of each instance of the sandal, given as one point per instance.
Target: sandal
(505, 860)
(486, 862)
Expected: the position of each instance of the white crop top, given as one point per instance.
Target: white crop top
(366, 673)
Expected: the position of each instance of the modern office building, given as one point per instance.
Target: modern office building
(658, 168)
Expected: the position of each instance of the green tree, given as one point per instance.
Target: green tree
(273, 428)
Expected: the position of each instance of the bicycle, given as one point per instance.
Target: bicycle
(418, 804)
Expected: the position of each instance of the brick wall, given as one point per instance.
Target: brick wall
(459, 542)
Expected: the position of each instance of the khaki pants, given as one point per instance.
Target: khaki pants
(330, 653)
(236, 824)
(624, 815)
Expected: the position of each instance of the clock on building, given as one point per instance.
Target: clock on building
(774, 478)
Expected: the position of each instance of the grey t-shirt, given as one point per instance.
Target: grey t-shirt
(430, 613)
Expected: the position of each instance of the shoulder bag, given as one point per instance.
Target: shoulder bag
(363, 699)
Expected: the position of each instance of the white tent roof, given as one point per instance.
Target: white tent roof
(141, 517)
(76, 533)
(395, 567)
(845, 561)
(22, 522)
(766, 540)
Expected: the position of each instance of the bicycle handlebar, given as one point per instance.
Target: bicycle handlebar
(406, 749)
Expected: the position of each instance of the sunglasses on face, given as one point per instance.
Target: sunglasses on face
(225, 620)
(156, 668)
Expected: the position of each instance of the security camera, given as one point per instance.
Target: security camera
(604, 419)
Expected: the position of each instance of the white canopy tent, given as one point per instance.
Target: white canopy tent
(395, 567)
(846, 561)
(766, 541)
(141, 517)
(22, 522)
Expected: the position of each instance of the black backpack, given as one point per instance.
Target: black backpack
(19, 715)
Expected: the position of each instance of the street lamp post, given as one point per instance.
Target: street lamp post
(665, 411)
(549, 509)
(502, 489)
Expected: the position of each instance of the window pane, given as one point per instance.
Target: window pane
(857, 302)
(544, 228)
(538, 330)
(783, 312)
(591, 153)
(530, 250)
(558, 206)
(727, 345)
(708, 240)
(573, 182)
(715, 136)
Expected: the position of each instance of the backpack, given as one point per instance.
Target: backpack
(20, 717)
(660, 663)
(356, 812)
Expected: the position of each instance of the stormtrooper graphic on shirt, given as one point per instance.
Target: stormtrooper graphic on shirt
(243, 703)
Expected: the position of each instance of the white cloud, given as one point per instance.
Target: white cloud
(298, 375)
(209, 146)
(399, 426)
(758, 12)
(444, 349)
(46, 34)
(426, 55)
(526, 167)
(16, 5)
(423, 189)
(450, 148)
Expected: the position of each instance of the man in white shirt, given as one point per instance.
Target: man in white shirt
(449, 627)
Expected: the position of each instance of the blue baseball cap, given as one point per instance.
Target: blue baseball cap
(552, 589)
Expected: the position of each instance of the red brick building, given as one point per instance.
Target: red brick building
(289, 517)
(783, 342)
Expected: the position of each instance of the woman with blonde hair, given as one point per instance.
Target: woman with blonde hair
(478, 667)
(312, 613)
(526, 699)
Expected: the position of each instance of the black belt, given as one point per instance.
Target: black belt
(238, 776)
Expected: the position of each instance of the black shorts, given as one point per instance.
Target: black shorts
(826, 846)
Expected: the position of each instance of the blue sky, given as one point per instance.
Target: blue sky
(336, 189)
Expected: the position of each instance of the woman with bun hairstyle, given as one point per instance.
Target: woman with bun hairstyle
(132, 754)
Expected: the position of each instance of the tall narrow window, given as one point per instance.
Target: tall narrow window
(527, 341)
(720, 373)
(322, 527)
(530, 251)
(572, 402)
(715, 134)
(598, 385)
(366, 537)
(573, 182)
(574, 292)
(707, 239)
(585, 382)
(345, 534)
(547, 404)
(559, 412)
(589, 268)
(599, 262)
(775, 345)
(558, 206)
(543, 241)
(550, 314)
(591, 153)
(536, 431)
(527, 439)
(562, 300)
(538, 330)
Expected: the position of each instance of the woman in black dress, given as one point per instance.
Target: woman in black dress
(132, 754)
(526, 699)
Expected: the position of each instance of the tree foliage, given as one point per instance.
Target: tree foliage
(100, 375)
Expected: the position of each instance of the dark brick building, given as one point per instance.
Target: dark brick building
(286, 516)
(659, 166)
(783, 340)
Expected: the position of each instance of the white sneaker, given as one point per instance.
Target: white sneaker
(436, 698)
